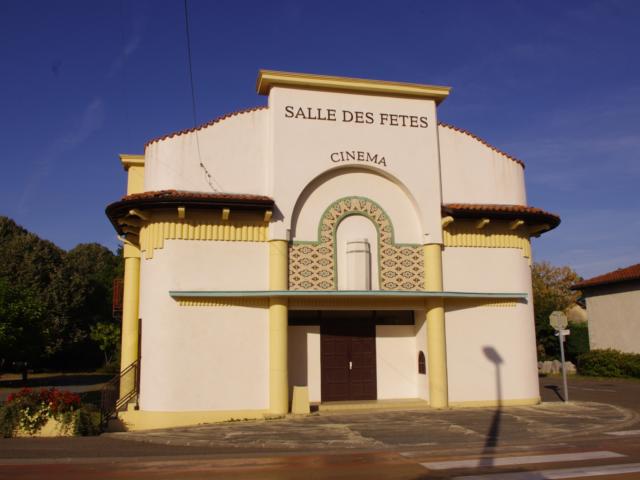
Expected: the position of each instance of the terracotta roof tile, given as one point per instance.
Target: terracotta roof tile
(617, 276)
(207, 124)
(482, 141)
(504, 211)
(187, 195)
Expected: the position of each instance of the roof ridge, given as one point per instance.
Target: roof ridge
(482, 141)
(206, 124)
(623, 274)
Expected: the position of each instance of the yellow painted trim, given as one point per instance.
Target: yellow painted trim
(224, 302)
(145, 420)
(200, 227)
(463, 233)
(496, 403)
(436, 335)
(446, 221)
(483, 222)
(270, 78)
(515, 224)
(278, 328)
(339, 303)
(268, 214)
(385, 404)
(130, 303)
(137, 213)
(182, 213)
(129, 160)
(432, 255)
(225, 213)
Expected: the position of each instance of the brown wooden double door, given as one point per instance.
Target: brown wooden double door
(348, 357)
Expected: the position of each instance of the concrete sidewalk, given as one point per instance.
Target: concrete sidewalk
(381, 430)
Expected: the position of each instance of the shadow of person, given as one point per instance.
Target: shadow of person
(493, 434)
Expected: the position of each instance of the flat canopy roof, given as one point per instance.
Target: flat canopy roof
(272, 78)
(343, 294)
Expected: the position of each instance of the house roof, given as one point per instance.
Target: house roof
(617, 276)
(180, 198)
(514, 212)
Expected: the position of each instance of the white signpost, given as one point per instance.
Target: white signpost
(558, 321)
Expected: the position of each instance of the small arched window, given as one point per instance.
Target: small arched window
(422, 364)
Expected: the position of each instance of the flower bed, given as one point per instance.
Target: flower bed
(45, 412)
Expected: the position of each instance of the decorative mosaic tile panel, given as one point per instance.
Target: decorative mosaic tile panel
(312, 265)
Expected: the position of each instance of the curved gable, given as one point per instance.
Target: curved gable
(474, 171)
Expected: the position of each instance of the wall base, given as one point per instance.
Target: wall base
(134, 420)
(496, 403)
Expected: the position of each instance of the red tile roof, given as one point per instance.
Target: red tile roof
(476, 210)
(482, 141)
(178, 198)
(207, 124)
(617, 276)
(187, 195)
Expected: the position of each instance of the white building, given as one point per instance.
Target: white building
(339, 239)
(613, 309)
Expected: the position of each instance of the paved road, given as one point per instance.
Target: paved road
(551, 441)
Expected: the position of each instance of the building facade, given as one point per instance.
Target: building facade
(613, 309)
(339, 239)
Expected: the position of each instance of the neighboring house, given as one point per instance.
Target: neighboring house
(613, 309)
(338, 239)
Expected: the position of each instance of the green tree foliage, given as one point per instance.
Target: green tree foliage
(21, 323)
(107, 337)
(551, 291)
(50, 299)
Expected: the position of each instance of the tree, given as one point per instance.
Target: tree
(50, 299)
(81, 293)
(551, 291)
(107, 336)
(21, 317)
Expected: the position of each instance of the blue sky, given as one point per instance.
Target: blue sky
(556, 84)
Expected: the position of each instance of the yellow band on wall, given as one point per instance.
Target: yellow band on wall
(130, 301)
(436, 335)
(278, 325)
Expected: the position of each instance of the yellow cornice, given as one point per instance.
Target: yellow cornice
(271, 78)
(129, 160)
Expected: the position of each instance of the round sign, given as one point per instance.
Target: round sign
(558, 320)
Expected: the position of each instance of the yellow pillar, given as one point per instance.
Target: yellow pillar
(436, 335)
(278, 324)
(130, 301)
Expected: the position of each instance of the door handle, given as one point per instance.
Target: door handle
(350, 365)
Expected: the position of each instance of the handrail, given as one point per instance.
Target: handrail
(112, 400)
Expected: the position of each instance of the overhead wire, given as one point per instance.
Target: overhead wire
(208, 177)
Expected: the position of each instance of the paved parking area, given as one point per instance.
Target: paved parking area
(367, 430)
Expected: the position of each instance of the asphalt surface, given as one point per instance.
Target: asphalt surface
(375, 444)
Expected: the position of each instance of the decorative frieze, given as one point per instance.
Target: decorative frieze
(154, 233)
(497, 234)
(312, 265)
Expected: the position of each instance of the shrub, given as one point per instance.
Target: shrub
(87, 421)
(29, 410)
(609, 363)
(578, 342)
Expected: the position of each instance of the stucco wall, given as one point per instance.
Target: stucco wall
(474, 173)
(491, 351)
(614, 317)
(304, 359)
(203, 358)
(396, 361)
(229, 149)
